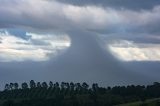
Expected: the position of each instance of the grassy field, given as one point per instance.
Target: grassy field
(149, 102)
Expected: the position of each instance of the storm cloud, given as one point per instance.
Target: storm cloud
(128, 4)
(104, 41)
(55, 15)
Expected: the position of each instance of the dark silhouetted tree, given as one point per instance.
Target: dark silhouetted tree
(16, 85)
(32, 84)
(85, 85)
(62, 85)
(56, 85)
(38, 85)
(7, 87)
(95, 87)
(44, 85)
(11, 86)
(72, 86)
(50, 84)
(24, 85)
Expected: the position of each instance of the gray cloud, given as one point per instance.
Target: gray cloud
(129, 4)
(84, 22)
(57, 16)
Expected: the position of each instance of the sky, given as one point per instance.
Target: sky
(110, 42)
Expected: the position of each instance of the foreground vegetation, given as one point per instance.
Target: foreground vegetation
(76, 94)
(149, 102)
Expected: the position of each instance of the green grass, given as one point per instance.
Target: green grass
(149, 102)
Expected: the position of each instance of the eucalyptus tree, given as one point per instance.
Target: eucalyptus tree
(44, 85)
(32, 84)
(95, 87)
(56, 88)
(72, 85)
(24, 85)
(7, 87)
(50, 84)
(62, 85)
(11, 86)
(16, 85)
(39, 85)
(85, 85)
(56, 85)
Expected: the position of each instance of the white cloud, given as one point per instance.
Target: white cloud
(130, 51)
(88, 16)
(36, 48)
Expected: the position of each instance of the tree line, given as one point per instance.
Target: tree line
(32, 84)
(74, 94)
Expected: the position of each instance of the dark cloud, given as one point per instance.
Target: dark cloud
(83, 21)
(58, 16)
(129, 4)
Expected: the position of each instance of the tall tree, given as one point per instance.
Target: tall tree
(67, 85)
(72, 86)
(44, 85)
(50, 84)
(78, 86)
(32, 84)
(62, 85)
(85, 85)
(7, 87)
(11, 86)
(95, 87)
(24, 85)
(56, 85)
(38, 85)
(16, 85)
